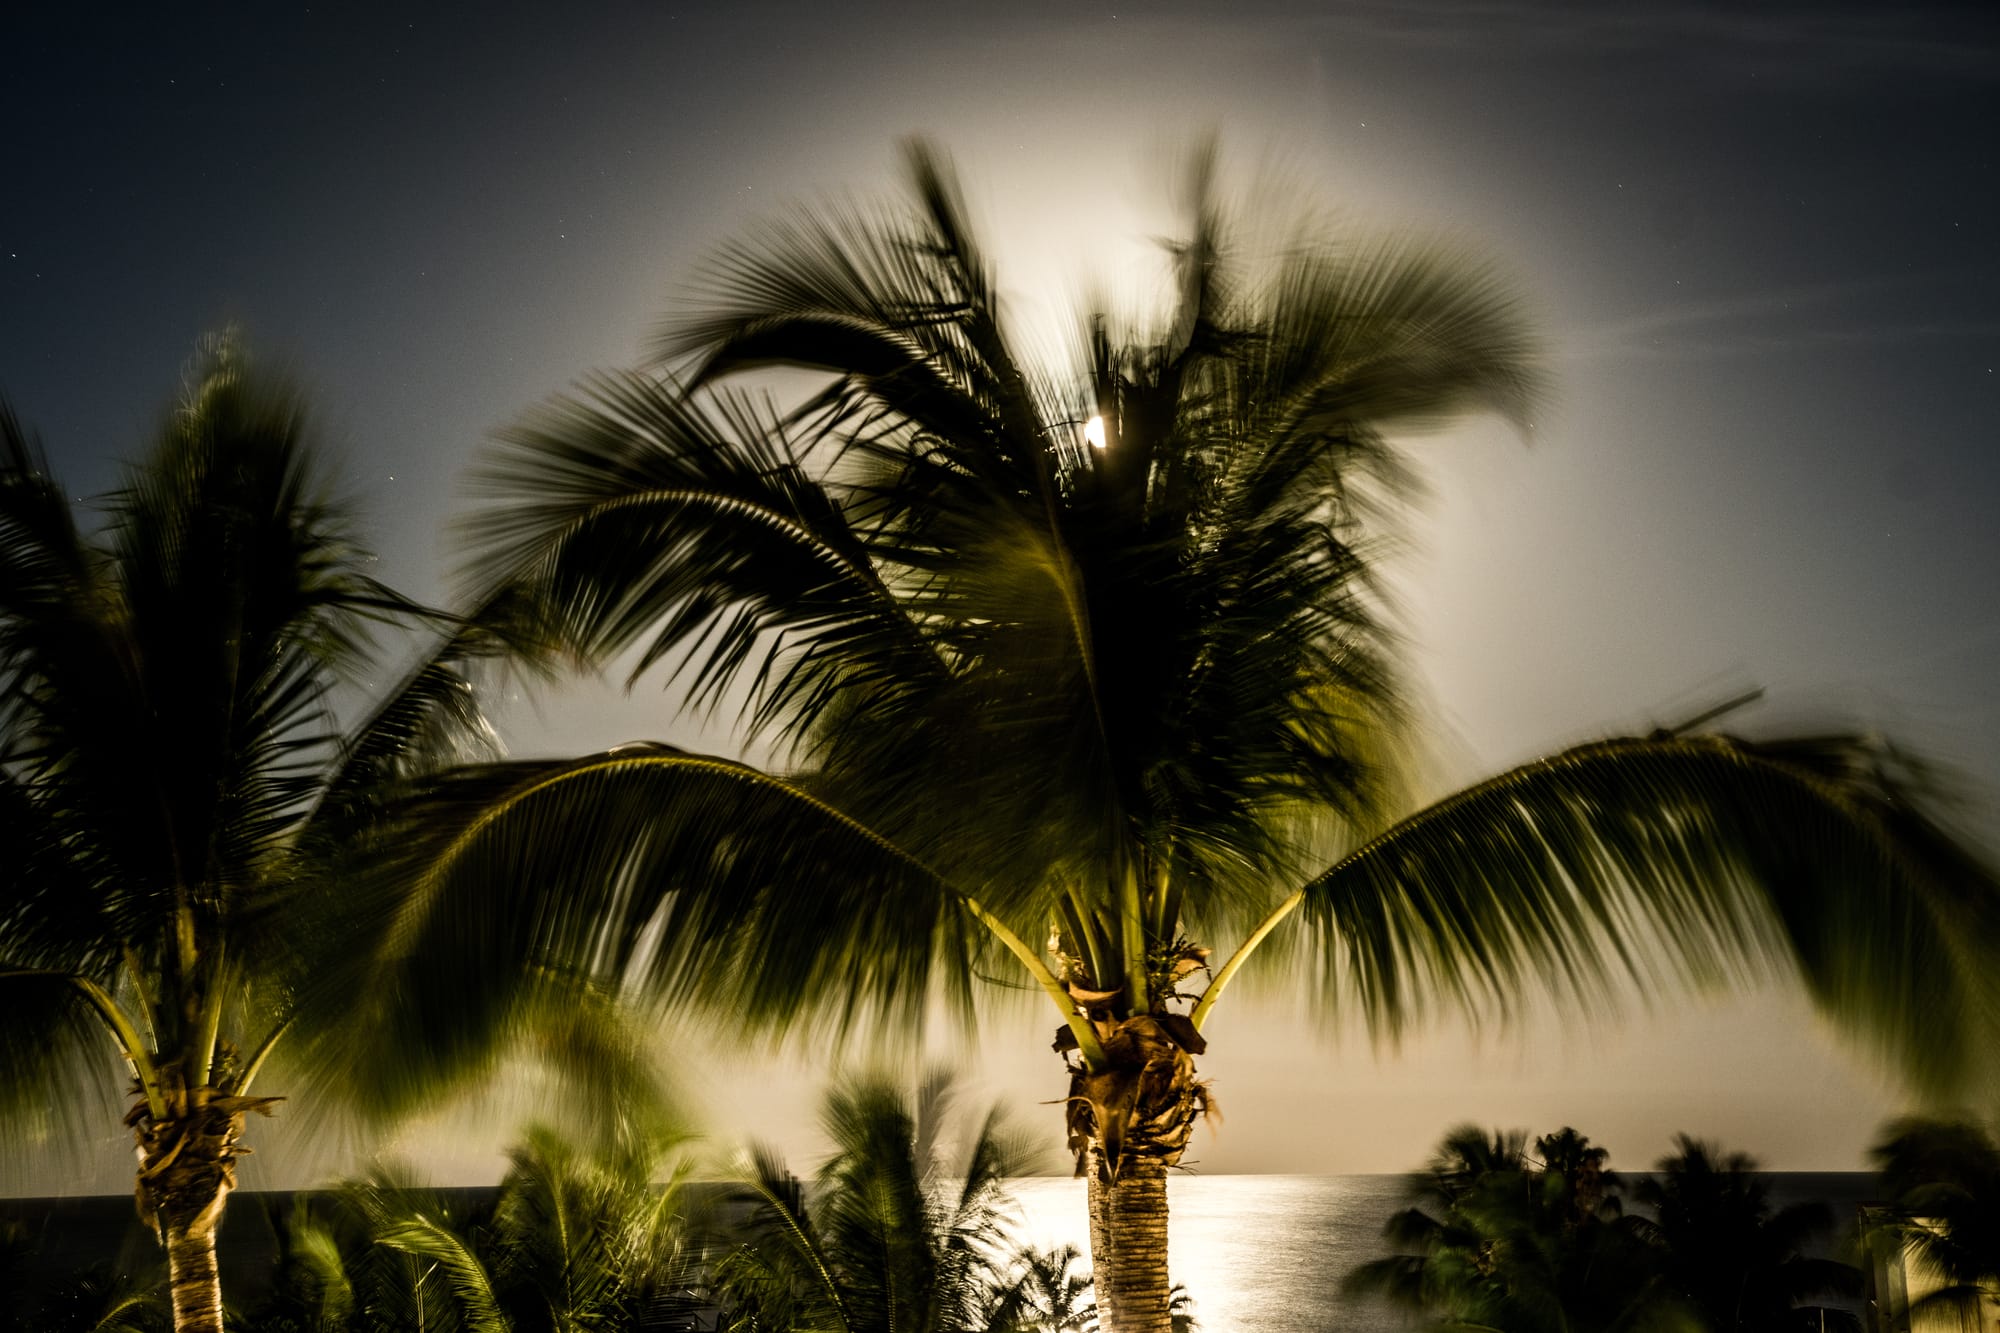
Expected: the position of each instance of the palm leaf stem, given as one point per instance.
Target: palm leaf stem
(1082, 937)
(262, 1053)
(186, 952)
(1086, 1036)
(805, 1245)
(1242, 955)
(1063, 573)
(211, 1014)
(122, 1030)
(1167, 899)
(137, 973)
(1132, 932)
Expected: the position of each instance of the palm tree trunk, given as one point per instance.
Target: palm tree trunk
(187, 1168)
(1138, 1111)
(192, 1274)
(1128, 1248)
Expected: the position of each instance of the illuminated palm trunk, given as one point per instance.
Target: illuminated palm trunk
(187, 1168)
(1128, 1248)
(1129, 1123)
(192, 1274)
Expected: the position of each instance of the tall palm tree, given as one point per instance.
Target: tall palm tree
(1744, 1265)
(174, 791)
(1089, 653)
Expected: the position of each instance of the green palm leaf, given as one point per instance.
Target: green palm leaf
(1691, 859)
(759, 570)
(690, 879)
(466, 1276)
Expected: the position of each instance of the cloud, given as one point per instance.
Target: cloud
(1833, 314)
(1802, 43)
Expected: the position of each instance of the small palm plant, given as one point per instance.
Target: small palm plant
(592, 1236)
(595, 1238)
(1049, 1295)
(894, 1235)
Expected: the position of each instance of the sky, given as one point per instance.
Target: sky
(1760, 241)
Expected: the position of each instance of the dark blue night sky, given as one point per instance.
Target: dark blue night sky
(1762, 239)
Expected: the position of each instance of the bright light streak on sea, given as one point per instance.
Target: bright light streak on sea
(1259, 1254)
(1265, 1254)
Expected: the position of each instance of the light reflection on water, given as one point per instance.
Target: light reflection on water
(1259, 1254)
(1265, 1254)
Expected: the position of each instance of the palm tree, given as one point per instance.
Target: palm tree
(1090, 653)
(378, 1252)
(1744, 1266)
(1502, 1239)
(582, 1235)
(594, 1236)
(1048, 1294)
(897, 1235)
(173, 790)
(1942, 1223)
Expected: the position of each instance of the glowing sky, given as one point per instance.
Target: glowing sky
(1762, 244)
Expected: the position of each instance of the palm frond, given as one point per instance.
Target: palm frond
(56, 1059)
(470, 1284)
(46, 569)
(311, 1245)
(751, 566)
(690, 880)
(1679, 860)
(1366, 332)
(430, 720)
(781, 1275)
(855, 292)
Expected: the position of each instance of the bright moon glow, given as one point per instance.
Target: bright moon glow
(1093, 431)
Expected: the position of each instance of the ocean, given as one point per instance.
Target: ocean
(1258, 1254)
(1266, 1254)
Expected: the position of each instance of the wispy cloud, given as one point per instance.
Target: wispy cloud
(1806, 43)
(1799, 340)
(1830, 314)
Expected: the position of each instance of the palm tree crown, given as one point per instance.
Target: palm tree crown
(1127, 690)
(1126, 699)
